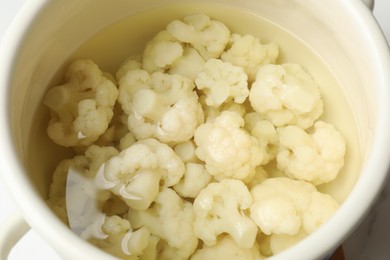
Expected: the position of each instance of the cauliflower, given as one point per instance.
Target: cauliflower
(121, 240)
(228, 150)
(226, 248)
(195, 179)
(82, 107)
(131, 63)
(73, 194)
(220, 208)
(279, 243)
(186, 152)
(160, 105)
(316, 157)
(170, 218)
(135, 173)
(221, 82)
(207, 36)
(265, 132)
(285, 206)
(246, 51)
(286, 95)
(161, 52)
(188, 65)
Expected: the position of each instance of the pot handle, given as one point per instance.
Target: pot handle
(369, 3)
(12, 230)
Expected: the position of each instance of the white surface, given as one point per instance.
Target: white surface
(369, 241)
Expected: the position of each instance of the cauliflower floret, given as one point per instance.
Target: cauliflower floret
(247, 51)
(171, 219)
(131, 63)
(161, 52)
(221, 82)
(264, 131)
(186, 152)
(73, 194)
(120, 239)
(285, 206)
(160, 105)
(226, 248)
(228, 150)
(220, 208)
(279, 243)
(188, 65)
(316, 157)
(82, 108)
(136, 173)
(195, 179)
(286, 95)
(207, 36)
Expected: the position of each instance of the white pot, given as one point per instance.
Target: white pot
(343, 32)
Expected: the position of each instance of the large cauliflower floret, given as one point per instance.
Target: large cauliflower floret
(221, 82)
(227, 149)
(207, 36)
(285, 206)
(247, 51)
(136, 173)
(316, 156)
(220, 208)
(171, 219)
(161, 52)
(160, 105)
(82, 107)
(120, 240)
(286, 95)
(226, 248)
(73, 194)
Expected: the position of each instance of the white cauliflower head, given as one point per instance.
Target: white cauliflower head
(207, 36)
(220, 208)
(171, 219)
(286, 95)
(247, 51)
(221, 82)
(227, 149)
(82, 107)
(285, 206)
(316, 156)
(160, 105)
(226, 248)
(135, 173)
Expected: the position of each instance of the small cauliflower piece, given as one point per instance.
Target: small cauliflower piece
(316, 156)
(279, 243)
(160, 105)
(221, 82)
(227, 149)
(136, 173)
(186, 152)
(220, 208)
(121, 240)
(131, 63)
(74, 178)
(82, 107)
(207, 36)
(194, 180)
(283, 206)
(226, 248)
(286, 95)
(188, 65)
(248, 52)
(161, 52)
(264, 131)
(171, 219)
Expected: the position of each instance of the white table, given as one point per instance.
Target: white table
(369, 242)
